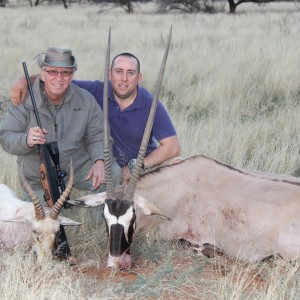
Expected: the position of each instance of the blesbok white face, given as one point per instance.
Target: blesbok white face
(40, 224)
(42, 232)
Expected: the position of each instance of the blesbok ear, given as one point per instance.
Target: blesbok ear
(90, 200)
(21, 219)
(147, 207)
(67, 222)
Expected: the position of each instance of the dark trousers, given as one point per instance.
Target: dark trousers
(62, 249)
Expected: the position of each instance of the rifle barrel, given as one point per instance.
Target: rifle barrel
(31, 94)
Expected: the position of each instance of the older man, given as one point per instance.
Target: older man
(69, 115)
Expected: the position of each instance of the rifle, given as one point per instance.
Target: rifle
(52, 182)
(60, 174)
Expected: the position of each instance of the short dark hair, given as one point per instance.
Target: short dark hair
(127, 54)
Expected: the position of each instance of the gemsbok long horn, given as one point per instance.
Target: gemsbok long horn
(136, 173)
(38, 207)
(60, 202)
(109, 184)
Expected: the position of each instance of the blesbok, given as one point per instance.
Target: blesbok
(29, 223)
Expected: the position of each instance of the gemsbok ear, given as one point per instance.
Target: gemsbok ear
(147, 207)
(67, 222)
(90, 200)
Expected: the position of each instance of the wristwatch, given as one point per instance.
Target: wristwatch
(132, 164)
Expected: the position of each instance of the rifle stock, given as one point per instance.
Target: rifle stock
(48, 178)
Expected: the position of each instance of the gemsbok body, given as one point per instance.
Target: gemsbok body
(26, 223)
(248, 215)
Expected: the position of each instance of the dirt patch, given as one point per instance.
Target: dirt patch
(103, 273)
(249, 277)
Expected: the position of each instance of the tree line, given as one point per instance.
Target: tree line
(164, 6)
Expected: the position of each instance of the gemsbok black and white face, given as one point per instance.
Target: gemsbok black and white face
(120, 218)
(120, 222)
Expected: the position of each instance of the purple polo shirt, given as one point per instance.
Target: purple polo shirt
(127, 126)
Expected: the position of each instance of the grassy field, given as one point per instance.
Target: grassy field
(232, 88)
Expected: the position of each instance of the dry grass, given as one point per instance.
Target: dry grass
(232, 88)
(162, 271)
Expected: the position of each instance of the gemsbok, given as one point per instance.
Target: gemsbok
(247, 214)
(29, 223)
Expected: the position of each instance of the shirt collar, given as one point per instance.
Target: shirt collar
(139, 102)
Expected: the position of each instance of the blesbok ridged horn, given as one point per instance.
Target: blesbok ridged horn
(109, 184)
(136, 173)
(60, 202)
(38, 207)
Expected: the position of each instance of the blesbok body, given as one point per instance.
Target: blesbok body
(249, 215)
(29, 223)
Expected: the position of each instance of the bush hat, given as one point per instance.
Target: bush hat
(57, 57)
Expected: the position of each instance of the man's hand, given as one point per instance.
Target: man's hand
(36, 136)
(97, 173)
(18, 91)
